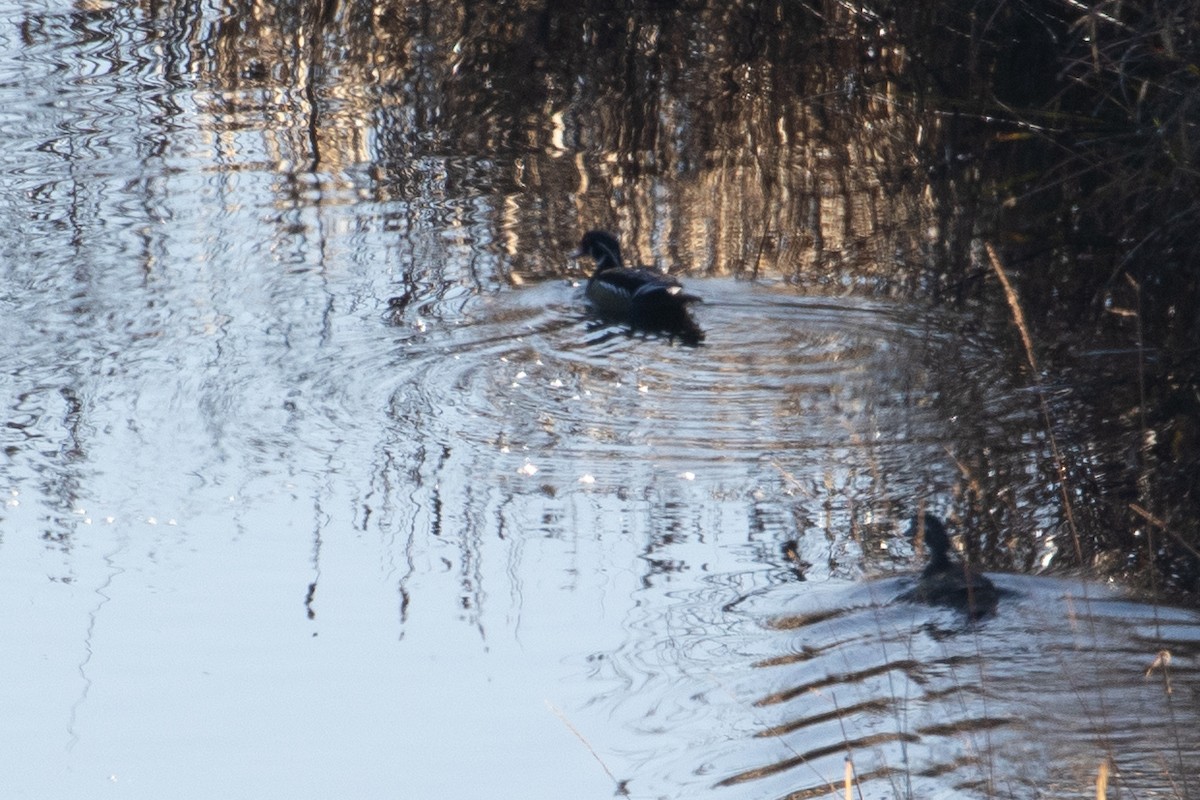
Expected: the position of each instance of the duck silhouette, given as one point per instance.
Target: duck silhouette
(646, 299)
(946, 581)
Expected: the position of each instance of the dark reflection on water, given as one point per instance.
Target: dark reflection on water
(299, 394)
(721, 145)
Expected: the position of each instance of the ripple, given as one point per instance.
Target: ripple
(535, 377)
(1042, 694)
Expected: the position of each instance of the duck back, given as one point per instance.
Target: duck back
(664, 308)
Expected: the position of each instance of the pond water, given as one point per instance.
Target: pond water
(320, 479)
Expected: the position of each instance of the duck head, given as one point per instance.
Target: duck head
(601, 246)
(931, 531)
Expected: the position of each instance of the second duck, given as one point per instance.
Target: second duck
(647, 299)
(946, 581)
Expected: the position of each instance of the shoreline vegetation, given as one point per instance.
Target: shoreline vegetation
(1076, 133)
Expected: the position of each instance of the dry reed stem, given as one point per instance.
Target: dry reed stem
(1014, 305)
(1162, 661)
(1060, 466)
(1162, 525)
(622, 789)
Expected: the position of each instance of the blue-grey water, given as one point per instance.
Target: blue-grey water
(269, 533)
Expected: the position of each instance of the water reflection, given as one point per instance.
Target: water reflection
(527, 383)
(730, 156)
(1066, 677)
(258, 516)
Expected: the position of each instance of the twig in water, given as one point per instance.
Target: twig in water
(622, 788)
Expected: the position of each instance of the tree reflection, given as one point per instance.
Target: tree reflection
(869, 149)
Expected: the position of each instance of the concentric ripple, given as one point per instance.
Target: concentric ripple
(535, 381)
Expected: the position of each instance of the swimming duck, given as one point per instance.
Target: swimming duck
(645, 298)
(945, 581)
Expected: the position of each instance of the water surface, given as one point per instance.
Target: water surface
(268, 533)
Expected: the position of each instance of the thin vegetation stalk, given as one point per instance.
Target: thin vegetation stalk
(1060, 466)
(622, 787)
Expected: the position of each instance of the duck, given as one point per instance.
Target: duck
(945, 581)
(645, 298)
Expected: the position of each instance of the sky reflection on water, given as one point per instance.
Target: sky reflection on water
(264, 538)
